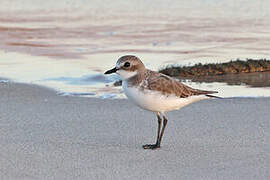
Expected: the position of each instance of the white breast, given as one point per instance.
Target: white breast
(157, 102)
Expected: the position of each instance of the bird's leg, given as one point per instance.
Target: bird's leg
(157, 145)
(158, 132)
(165, 120)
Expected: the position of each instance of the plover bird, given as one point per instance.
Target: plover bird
(154, 91)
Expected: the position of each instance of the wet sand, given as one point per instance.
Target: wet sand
(257, 79)
(46, 136)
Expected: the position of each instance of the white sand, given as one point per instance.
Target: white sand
(45, 136)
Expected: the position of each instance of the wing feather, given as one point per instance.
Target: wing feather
(167, 86)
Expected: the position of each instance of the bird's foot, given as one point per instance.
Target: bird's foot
(151, 146)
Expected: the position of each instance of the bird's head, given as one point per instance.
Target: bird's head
(127, 67)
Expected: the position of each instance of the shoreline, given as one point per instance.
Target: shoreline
(44, 135)
(230, 90)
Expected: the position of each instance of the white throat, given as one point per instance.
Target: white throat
(124, 75)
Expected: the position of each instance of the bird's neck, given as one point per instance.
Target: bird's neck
(136, 79)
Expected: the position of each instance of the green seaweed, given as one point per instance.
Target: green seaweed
(212, 69)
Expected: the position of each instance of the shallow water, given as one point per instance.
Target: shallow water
(67, 45)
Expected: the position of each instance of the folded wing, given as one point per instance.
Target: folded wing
(169, 86)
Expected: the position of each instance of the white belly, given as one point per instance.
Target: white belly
(157, 102)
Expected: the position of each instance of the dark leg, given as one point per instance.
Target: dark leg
(157, 145)
(165, 120)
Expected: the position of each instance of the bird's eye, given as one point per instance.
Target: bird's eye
(127, 64)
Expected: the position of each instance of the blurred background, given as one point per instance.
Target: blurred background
(68, 44)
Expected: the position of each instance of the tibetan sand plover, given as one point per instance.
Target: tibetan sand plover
(155, 91)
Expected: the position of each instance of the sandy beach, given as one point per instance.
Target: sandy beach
(47, 136)
(59, 50)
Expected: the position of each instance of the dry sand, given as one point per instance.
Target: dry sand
(46, 136)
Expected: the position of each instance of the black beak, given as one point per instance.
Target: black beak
(111, 71)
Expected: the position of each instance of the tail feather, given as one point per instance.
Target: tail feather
(207, 93)
(212, 96)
